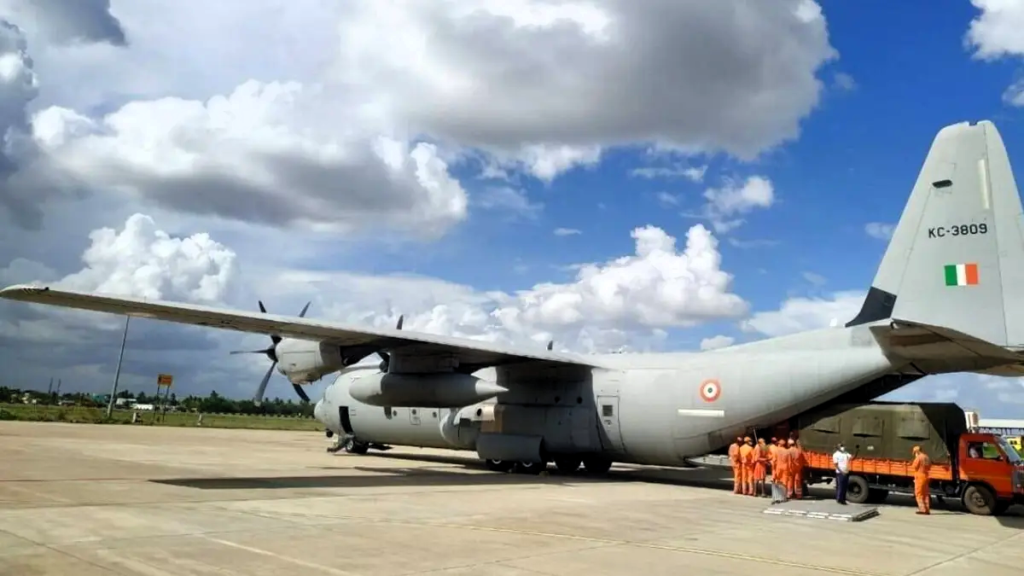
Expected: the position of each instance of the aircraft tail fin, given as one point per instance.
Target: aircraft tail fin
(956, 257)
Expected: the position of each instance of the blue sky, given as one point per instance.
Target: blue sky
(229, 177)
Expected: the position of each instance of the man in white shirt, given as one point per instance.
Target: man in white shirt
(841, 458)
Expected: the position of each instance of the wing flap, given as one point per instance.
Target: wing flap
(468, 351)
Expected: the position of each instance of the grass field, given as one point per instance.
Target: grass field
(80, 414)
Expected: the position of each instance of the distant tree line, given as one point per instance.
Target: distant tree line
(214, 403)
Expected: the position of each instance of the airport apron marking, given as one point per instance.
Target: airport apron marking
(710, 390)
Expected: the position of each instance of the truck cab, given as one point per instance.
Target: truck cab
(1015, 441)
(991, 471)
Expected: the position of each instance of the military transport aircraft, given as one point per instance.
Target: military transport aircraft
(947, 297)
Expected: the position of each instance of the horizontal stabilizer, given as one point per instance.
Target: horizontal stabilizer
(937, 349)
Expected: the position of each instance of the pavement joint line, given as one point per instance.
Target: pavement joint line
(502, 562)
(1001, 542)
(289, 559)
(609, 541)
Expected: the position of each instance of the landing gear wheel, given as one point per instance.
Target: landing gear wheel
(353, 446)
(499, 465)
(979, 500)
(597, 464)
(568, 464)
(531, 468)
(857, 490)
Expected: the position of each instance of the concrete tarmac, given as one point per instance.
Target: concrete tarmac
(131, 500)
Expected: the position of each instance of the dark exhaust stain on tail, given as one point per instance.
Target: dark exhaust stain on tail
(878, 305)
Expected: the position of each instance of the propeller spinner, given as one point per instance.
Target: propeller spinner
(271, 353)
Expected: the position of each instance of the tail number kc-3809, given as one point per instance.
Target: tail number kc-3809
(958, 230)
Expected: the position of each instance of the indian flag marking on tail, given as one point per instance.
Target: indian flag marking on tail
(961, 274)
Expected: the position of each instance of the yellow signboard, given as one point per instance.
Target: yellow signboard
(164, 380)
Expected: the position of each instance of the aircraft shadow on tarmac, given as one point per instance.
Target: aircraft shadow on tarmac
(428, 476)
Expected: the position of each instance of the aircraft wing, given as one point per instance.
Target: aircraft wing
(469, 352)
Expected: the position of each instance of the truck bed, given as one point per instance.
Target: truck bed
(867, 466)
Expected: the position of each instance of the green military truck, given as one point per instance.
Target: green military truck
(983, 470)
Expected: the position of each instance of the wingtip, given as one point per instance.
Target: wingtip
(16, 290)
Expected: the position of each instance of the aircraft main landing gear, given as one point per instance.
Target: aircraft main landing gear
(568, 464)
(499, 465)
(597, 464)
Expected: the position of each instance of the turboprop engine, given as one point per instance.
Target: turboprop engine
(441, 390)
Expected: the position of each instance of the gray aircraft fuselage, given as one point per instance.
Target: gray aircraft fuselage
(641, 408)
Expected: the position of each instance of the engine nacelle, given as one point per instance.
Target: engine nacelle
(442, 390)
(305, 361)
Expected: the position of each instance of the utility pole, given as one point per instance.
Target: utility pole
(117, 373)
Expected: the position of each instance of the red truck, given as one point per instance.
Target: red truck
(982, 470)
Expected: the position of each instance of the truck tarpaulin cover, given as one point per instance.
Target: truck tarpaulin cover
(885, 430)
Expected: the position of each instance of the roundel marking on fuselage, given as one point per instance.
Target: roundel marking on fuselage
(710, 390)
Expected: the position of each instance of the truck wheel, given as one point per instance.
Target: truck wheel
(1001, 507)
(979, 500)
(877, 495)
(857, 490)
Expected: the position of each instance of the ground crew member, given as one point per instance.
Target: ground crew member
(922, 465)
(737, 468)
(798, 469)
(747, 464)
(760, 467)
(773, 457)
(790, 457)
(782, 464)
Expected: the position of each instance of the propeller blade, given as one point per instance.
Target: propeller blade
(304, 308)
(551, 344)
(262, 307)
(300, 392)
(264, 351)
(258, 398)
(384, 356)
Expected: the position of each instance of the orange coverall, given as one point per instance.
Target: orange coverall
(737, 468)
(746, 451)
(797, 471)
(922, 465)
(781, 466)
(760, 465)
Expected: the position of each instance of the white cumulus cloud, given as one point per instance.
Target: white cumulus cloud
(714, 342)
(996, 33)
(727, 203)
(145, 262)
(880, 230)
(624, 301)
(509, 76)
(267, 153)
(801, 313)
